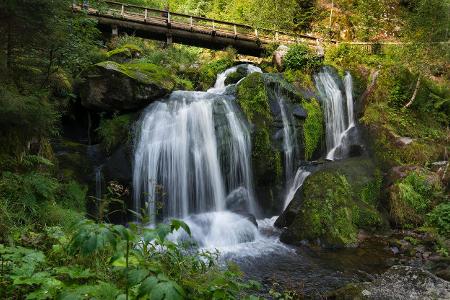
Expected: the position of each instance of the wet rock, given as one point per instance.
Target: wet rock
(119, 166)
(330, 206)
(355, 151)
(299, 112)
(110, 86)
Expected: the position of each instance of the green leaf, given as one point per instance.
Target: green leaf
(168, 290)
(147, 285)
(136, 276)
(177, 224)
(163, 230)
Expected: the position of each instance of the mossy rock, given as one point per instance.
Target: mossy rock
(253, 99)
(234, 77)
(111, 86)
(410, 198)
(333, 204)
(125, 52)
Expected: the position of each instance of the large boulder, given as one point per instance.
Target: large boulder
(258, 95)
(333, 204)
(399, 282)
(111, 86)
(412, 192)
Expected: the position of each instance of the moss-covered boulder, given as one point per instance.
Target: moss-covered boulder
(413, 193)
(111, 86)
(258, 96)
(333, 204)
(234, 77)
(266, 158)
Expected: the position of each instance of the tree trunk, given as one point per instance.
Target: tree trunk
(416, 89)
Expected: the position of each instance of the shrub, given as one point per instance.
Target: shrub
(439, 218)
(115, 131)
(23, 117)
(300, 57)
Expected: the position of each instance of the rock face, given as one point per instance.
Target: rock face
(111, 86)
(257, 96)
(278, 56)
(399, 282)
(335, 201)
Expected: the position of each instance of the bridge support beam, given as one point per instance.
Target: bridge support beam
(115, 31)
(169, 39)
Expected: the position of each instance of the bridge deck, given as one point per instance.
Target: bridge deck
(186, 29)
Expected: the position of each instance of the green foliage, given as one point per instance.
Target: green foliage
(115, 131)
(300, 57)
(112, 261)
(36, 199)
(313, 127)
(23, 117)
(411, 198)
(439, 218)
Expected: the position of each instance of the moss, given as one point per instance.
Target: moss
(235, 77)
(411, 198)
(370, 193)
(143, 72)
(326, 213)
(299, 78)
(334, 206)
(253, 100)
(313, 127)
(127, 50)
(209, 71)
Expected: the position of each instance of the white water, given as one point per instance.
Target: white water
(179, 167)
(339, 116)
(232, 234)
(221, 78)
(289, 139)
(297, 183)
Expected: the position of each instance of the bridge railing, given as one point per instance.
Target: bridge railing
(190, 22)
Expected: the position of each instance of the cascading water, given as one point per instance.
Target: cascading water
(339, 118)
(289, 139)
(192, 150)
(297, 183)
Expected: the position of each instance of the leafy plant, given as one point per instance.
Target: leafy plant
(300, 57)
(439, 217)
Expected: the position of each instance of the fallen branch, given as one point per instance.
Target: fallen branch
(414, 94)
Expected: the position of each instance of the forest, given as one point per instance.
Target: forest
(137, 168)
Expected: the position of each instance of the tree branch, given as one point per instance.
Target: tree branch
(416, 89)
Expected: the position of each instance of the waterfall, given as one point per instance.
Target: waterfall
(299, 179)
(289, 139)
(339, 116)
(191, 151)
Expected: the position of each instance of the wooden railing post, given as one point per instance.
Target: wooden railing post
(214, 26)
(122, 11)
(235, 30)
(276, 36)
(256, 32)
(191, 21)
(168, 17)
(146, 15)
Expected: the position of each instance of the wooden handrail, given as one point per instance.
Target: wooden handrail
(214, 21)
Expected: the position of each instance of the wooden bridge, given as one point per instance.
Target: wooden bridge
(186, 29)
